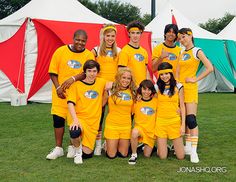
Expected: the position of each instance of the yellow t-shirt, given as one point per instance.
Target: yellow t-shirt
(168, 107)
(188, 64)
(108, 64)
(66, 63)
(119, 114)
(145, 115)
(136, 59)
(173, 56)
(88, 101)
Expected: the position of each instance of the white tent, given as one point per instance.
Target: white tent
(215, 81)
(228, 33)
(61, 10)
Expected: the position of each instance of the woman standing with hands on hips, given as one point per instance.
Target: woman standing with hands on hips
(186, 74)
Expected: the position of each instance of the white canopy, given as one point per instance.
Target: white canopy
(157, 25)
(229, 32)
(60, 10)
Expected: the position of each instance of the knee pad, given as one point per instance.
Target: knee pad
(121, 155)
(87, 156)
(109, 157)
(75, 133)
(58, 122)
(191, 121)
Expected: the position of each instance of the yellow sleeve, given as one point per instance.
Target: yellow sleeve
(54, 64)
(72, 93)
(90, 56)
(146, 57)
(156, 52)
(123, 59)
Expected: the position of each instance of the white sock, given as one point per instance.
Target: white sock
(135, 155)
(194, 143)
(99, 143)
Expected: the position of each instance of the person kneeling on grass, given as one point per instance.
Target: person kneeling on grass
(145, 120)
(85, 100)
(169, 123)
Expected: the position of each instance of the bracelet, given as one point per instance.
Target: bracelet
(73, 78)
(58, 87)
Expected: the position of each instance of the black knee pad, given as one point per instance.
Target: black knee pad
(121, 155)
(58, 122)
(87, 156)
(75, 133)
(109, 157)
(191, 121)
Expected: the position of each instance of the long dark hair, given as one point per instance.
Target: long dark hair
(161, 84)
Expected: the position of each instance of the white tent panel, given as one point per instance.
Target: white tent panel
(157, 25)
(60, 10)
(228, 33)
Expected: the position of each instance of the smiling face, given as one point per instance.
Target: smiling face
(170, 36)
(146, 93)
(109, 38)
(79, 42)
(125, 80)
(165, 77)
(185, 40)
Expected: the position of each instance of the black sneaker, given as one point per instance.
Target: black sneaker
(132, 159)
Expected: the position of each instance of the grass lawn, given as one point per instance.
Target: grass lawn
(26, 136)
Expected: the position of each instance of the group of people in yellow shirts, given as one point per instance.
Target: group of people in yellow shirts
(85, 82)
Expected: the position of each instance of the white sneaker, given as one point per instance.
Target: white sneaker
(71, 152)
(98, 150)
(55, 153)
(78, 158)
(187, 150)
(132, 159)
(194, 157)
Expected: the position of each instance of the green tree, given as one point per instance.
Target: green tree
(216, 25)
(8, 7)
(115, 11)
(90, 5)
(146, 19)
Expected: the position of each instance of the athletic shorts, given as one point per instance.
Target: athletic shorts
(59, 106)
(117, 133)
(190, 93)
(145, 137)
(166, 129)
(88, 135)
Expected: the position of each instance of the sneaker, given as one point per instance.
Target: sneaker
(55, 153)
(187, 150)
(70, 151)
(132, 159)
(194, 157)
(98, 150)
(78, 158)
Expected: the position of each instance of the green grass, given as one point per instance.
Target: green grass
(26, 136)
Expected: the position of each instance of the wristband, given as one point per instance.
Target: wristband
(73, 78)
(58, 87)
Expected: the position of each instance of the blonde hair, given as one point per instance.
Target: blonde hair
(107, 28)
(116, 88)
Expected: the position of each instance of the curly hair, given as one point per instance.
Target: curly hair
(116, 88)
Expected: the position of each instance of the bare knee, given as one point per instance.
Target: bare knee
(135, 133)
